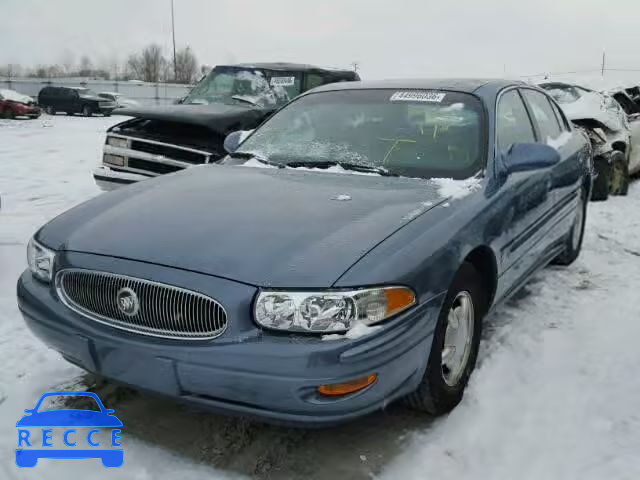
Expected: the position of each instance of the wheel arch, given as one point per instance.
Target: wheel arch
(484, 261)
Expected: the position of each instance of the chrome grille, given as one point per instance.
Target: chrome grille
(161, 310)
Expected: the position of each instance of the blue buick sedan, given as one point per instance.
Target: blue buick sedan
(342, 256)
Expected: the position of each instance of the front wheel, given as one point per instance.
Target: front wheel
(455, 344)
(619, 178)
(602, 170)
(87, 111)
(50, 110)
(573, 244)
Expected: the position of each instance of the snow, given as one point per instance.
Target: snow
(334, 169)
(342, 197)
(456, 189)
(15, 96)
(560, 141)
(359, 330)
(555, 395)
(255, 163)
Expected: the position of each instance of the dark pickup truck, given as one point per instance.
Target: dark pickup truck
(161, 140)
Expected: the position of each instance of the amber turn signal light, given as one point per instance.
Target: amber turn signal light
(338, 389)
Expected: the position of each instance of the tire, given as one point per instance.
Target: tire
(87, 111)
(600, 190)
(619, 178)
(575, 237)
(441, 389)
(50, 110)
(106, 114)
(70, 114)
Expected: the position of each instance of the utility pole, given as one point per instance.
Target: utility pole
(173, 34)
(355, 66)
(603, 62)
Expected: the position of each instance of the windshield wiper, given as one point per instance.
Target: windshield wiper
(254, 156)
(245, 99)
(357, 167)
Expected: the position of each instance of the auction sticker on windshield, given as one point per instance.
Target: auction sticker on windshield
(283, 81)
(418, 96)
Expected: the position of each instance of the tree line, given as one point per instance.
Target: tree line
(150, 64)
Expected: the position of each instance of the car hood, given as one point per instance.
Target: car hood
(219, 117)
(95, 98)
(266, 227)
(593, 106)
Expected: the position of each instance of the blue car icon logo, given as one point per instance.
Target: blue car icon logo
(28, 453)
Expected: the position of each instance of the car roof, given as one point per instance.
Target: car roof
(286, 66)
(467, 85)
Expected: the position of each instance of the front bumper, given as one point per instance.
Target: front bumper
(246, 371)
(109, 179)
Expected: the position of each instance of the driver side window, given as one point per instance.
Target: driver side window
(512, 122)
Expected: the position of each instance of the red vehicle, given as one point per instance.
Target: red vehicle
(14, 104)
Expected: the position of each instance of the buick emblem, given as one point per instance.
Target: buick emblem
(127, 301)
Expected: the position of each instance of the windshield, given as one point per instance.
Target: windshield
(239, 85)
(414, 133)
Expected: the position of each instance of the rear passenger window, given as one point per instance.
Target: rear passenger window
(512, 123)
(543, 114)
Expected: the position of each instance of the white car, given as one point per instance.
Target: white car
(614, 133)
(120, 100)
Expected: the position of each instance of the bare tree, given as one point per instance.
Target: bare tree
(86, 67)
(148, 65)
(11, 70)
(186, 66)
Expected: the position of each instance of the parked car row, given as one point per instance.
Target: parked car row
(611, 119)
(70, 100)
(341, 256)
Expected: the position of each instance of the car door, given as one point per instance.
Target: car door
(524, 197)
(58, 99)
(567, 174)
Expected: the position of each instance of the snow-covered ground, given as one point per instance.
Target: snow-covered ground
(556, 394)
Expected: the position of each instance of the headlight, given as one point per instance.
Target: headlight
(40, 260)
(118, 142)
(330, 310)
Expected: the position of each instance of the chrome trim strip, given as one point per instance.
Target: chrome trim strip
(128, 153)
(155, 142)
(152, 320)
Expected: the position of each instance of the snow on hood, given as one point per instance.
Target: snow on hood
(14, 96)
(255, 163)
(455, 189)
(593, 105)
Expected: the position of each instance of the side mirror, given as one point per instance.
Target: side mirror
(525, 157)
(234, 139)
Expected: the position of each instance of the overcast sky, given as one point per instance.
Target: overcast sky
(389, 38)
